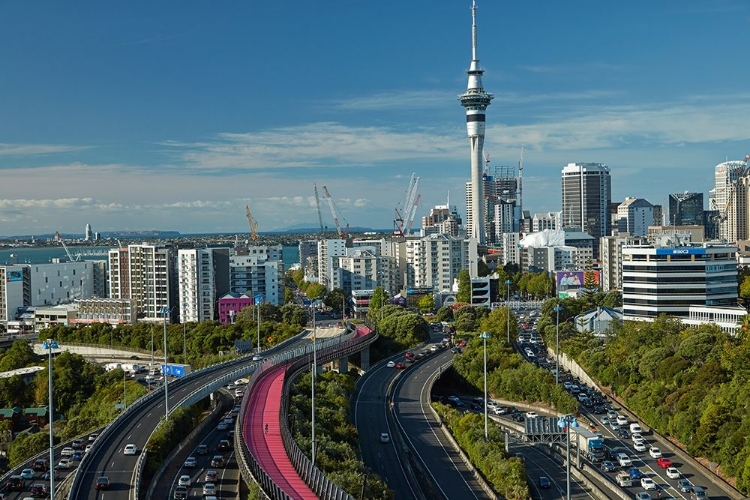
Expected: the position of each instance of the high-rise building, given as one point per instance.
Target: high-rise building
(725, 182)
(586, 197)
(548, 220)
(475, 101)
(442, 219)
(258, 270)
(686, 209)
(197, 277)
(143, 273)
(634, 216)
(88, 232)
(435, 260)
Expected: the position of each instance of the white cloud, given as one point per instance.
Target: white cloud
(37, 149)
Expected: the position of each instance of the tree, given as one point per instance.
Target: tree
(498, 322)
(315, 291)
(745, 290)
(20, 355)
(379, 298)
(426, 303)
(464, 287)
(335, 299)
(446, 314)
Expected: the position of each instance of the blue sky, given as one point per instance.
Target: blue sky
(174, 115)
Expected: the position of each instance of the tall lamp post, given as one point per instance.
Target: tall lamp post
(484, 336)
(557, 310)
(314, 374)
(258, 299)
(165, 311)
(507, 304)
(50, 344)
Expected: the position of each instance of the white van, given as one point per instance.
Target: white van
(635, 429)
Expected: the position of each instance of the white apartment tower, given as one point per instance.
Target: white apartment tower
(258, 270)
(475, 101)
(435, 260)
(142, 273)
(197, 285)
(634, 216)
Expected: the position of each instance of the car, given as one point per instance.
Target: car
(39, 490)
(391, 364)
(217, 461)
(624, 460)
(622, 420)
(400, 366)
(673, 473)
(639, 446)
(209, 489)
(623, 480)
(202, 449)
(605, 420)
(184, 480)
(635, 428)
(462, 343)
(46, 475)
(190, 462)
(77, 444)
(27, 473)
(642, 495)
(76, 457)
(684, 485)
(130, 449)
(648, 484)
(238, 393)
(409, 354)
(180, 493)
(636, 436)
(67, 451)
(663, 462)
(614, 426)
(654, 452)
(698, 493)
(211, 476)
(92, 437)
(102, 483)
(258, 357)
(40, 465)
(384, 437)
(544, 482)
(14, 482)
(531, 414)
(635, 473)
(88, 448)
(624, 434)
(223, 445)
(608, 466)
(222, 426)
(64, 464)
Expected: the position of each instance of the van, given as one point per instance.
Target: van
(635, 429)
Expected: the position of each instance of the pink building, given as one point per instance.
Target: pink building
(231, 304)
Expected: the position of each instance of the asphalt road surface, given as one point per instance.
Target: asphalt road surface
(538, 464)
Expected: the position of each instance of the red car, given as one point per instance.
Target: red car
(400, 366)
(409, 355)
(664, 462)
(462, 343)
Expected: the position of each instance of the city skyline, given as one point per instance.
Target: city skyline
(174, 116)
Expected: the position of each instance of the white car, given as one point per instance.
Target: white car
(64, 464)
(258, 357)
(648, 484)
(384, 437)
(611, 414)
(184, 481)
(622, 420)
(636, 436)
(673, 473)
(190, 462)
(531, 414)
(654, 452)
(605, 420)
(67, 451)
(624, 460)
(88, 448)
(130, 449)
(639, 446)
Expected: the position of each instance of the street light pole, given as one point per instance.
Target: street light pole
(258, 326)
(50, 344)
(568, 423)
(484, 336)
(557, 309)
(507, 304)
(184, 342)
(314, 374)
(165, 310)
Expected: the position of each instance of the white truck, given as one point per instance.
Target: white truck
(590, 445)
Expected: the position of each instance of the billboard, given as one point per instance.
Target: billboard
(573, 280)
(15, 276)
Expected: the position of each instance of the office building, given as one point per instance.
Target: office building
(686, 209)
(670, 276)
(586, 197)
(308, 259)
(610, 248)
(443, 219)
(87, 236)
(634, 216)
(548, 220)
(726, 176)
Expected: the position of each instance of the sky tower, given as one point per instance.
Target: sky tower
(475, 100)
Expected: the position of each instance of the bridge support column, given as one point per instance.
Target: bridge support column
(365, 357)
(343, 364)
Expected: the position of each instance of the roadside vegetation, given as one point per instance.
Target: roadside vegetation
(169, 434)
(506, 475)
(337, 440)
(692, 384)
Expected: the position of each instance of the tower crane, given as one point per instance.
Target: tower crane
(61, 240)
(343, 233)
(320, 215)
(252, 222)
(401, 220)
(412, 213)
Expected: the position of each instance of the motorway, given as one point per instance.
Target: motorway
(539, 464)
(421, 430)
(370, 419)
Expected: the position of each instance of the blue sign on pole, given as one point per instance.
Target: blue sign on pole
(258, 299)
(49, 345)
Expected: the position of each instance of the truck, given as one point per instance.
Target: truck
(112, 366)
(591, 445)
(175, 370)
(133, 368)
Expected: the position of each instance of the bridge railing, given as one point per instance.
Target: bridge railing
(250, 468)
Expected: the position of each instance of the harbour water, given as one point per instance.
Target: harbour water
(289, 254)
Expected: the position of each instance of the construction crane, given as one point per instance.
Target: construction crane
(343, 233)
(253, 223)
(520, 191)
(61, 240)
(320, 215)
(412, 213)
(401, 220)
